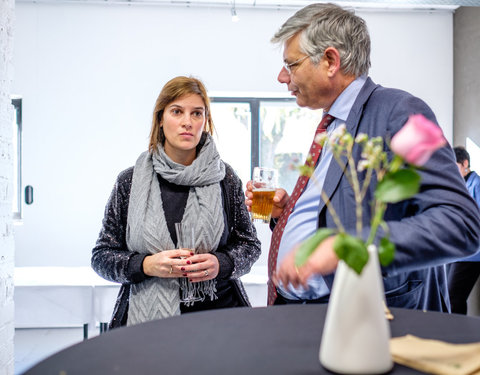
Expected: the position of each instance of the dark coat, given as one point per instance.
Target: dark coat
(438, 225)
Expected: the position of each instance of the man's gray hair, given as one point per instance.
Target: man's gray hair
(328, 25)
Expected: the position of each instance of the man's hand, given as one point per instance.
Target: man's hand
(323, 261)
(280, 200)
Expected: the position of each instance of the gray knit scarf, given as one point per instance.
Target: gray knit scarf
(147, 230)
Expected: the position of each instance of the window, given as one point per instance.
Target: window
(474, 151)
(17, 158)
(286, 132)
(233, 127)
(272, 132)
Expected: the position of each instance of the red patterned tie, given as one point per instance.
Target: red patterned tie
(312, 158)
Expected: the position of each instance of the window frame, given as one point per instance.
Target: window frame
(254, 103)
(17, 107)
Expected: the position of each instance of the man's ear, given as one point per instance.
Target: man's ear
(332, 56)
(465, 164)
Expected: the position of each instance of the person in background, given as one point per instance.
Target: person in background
(326, 54)
(181, 178)
(463, 275)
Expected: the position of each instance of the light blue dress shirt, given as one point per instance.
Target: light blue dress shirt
(303, 221)
(473, 187)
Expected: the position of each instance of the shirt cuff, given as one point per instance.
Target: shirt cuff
(225, 265)
(135, 268)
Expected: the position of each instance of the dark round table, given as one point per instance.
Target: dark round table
(267, 340)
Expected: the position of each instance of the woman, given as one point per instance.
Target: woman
(181, 178)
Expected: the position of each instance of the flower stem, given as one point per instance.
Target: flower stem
(332, 211)
(356, 191)
(396, 163)
(330, 208)
(376, 220)
(366, 182)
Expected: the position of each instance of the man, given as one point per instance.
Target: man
(463, 275)
(326, 61)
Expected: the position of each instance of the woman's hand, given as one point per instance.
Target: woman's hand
(279, 200)
(166, 263)
(202, 267)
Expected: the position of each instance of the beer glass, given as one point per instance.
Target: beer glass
(264, 183)
(186, 240)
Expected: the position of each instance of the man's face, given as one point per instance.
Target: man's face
(463, 168)
(309, 83)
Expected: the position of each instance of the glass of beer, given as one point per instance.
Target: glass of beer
(264, 183)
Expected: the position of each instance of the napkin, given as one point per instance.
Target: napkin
(436, 357)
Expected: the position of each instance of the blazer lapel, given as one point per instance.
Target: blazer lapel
(335, 172)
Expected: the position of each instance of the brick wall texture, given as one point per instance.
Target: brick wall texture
(6, 175)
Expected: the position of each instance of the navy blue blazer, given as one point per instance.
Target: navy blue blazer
(438, 225)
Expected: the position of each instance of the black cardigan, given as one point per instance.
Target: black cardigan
(113, 261)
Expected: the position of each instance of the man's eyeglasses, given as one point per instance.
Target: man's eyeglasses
(289, 66)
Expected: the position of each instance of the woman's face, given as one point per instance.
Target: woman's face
(183, 122)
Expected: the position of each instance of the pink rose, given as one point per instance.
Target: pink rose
(417, 140)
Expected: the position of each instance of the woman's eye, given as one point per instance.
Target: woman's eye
(175, 111)
(198, 114)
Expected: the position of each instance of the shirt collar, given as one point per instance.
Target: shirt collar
(344, 103)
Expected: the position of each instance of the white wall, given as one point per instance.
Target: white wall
(89, 76)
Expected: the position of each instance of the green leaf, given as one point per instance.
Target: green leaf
(305, 170)
(397, 186)
(352, 251)
(386, 251)
(310, 244)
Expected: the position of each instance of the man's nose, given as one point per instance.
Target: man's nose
(283, 76)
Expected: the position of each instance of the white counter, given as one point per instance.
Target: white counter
(48, 297)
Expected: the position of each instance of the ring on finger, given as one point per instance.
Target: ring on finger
(171, 270)
(206, 272)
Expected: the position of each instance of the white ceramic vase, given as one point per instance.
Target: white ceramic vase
(356, 334)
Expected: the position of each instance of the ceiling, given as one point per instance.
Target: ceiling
(289, 4)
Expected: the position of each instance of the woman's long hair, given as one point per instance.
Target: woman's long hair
(174, 89)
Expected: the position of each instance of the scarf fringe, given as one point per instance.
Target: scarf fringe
(194, 292)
